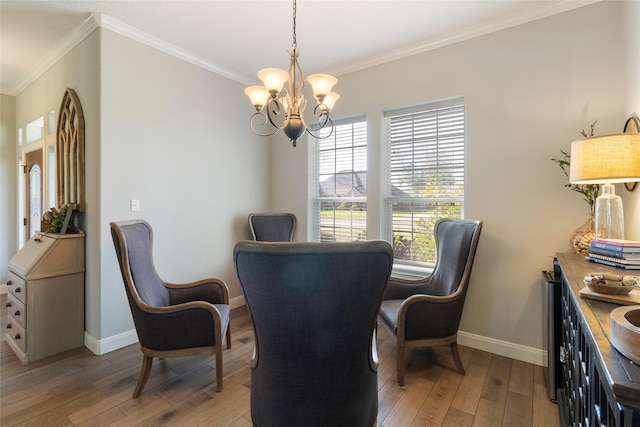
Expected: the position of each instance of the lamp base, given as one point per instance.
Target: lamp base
(609, 214)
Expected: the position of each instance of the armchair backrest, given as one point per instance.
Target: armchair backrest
(276, 227)
(133, 241)
(314, 308)
(456, 241)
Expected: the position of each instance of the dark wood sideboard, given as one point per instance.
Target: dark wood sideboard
(600, 386)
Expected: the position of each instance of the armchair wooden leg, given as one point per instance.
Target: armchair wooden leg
(228, 336)
(456, 357)
(147, 361)
(219, 367)
(400, 367)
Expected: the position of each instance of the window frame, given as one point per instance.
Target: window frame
(314, 181)
(457, 173)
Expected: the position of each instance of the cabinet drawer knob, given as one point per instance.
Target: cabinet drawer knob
(9, 283)
(17, 313)
(8, 304)
(9, 326)
(18, 336)
(18, 290)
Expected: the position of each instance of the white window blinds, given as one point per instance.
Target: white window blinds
(425, 175)
(340, 202)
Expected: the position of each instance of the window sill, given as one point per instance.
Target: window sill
(410, 272)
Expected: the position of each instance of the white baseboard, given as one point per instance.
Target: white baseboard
(109, 344)
(124, 339)
(237, 302)
(503, 348)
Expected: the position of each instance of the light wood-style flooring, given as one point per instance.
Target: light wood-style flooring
(78, 388)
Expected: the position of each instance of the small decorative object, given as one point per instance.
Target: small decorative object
(607, 283)
(582, 236)
(58, 219)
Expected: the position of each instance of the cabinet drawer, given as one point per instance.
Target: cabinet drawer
(16, 310)
(16, 333)
(17, 286)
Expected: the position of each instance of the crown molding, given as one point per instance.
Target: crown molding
(163, 46)
(70, 41)
(98, 20)
(542, 11)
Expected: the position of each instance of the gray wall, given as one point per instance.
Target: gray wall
(528, 91)
(175, 137)
(8, 179)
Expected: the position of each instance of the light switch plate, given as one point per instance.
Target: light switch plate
(135, 205)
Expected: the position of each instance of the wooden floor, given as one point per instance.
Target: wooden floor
(78, 388)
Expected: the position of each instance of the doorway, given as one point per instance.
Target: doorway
(34, 184)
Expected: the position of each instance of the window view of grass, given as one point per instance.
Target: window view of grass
(343, 222)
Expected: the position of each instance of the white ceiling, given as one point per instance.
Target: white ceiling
(237, 38)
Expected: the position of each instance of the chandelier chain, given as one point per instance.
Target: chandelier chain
(295, 44)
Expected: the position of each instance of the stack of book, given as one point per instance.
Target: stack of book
(615, 252)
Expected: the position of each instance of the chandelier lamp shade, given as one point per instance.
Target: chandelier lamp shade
(606, 160)
(280, 102)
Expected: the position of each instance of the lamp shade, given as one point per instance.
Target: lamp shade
(321, 84)
(258, 96)
(608, 158)
(273, 78)
(331, 99)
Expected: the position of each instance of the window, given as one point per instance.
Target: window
(35, 130)
(340, 179)
(425, 176)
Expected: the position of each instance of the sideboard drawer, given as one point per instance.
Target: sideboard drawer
(17, 286)
(16, 334)
(16, 310)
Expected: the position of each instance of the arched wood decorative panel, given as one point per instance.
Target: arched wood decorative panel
(70, 152)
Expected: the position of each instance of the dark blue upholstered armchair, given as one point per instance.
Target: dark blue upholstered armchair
(171, 320)
(314, 308)
(272, 227)
(427, 312)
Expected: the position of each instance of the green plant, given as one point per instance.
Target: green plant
(589, 191)
(55, 217)
(593, 127)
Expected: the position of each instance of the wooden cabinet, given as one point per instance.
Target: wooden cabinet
(600, 386)
(46, 296)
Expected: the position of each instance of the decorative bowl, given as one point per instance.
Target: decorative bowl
(608, 289)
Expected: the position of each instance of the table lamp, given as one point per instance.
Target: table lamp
(606, 160)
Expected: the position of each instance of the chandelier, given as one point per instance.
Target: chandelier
(278, 108)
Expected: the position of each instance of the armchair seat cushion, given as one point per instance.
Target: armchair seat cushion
(389, 313)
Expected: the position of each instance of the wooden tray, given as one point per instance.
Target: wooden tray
(632, 298)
